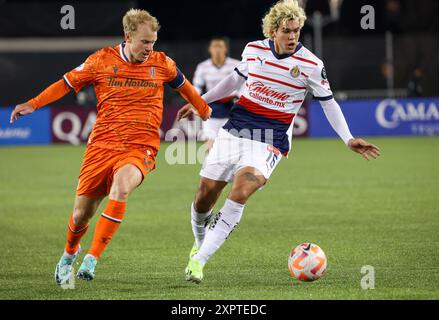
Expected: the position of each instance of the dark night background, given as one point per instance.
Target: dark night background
(355, 58)
(196, 19)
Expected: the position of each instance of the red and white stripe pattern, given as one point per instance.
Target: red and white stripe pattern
(277, 86)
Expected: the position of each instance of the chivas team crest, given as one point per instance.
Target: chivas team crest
(295, 72)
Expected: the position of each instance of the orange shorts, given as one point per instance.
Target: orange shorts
(100, 165)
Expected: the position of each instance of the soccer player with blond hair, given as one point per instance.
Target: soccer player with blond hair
(129, 83)
(278, 72)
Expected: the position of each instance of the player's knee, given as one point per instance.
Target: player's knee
(80, 216)
(120, 191)
(120, 195)
(240, 195)
(241, 192)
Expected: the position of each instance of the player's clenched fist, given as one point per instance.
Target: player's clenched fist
(21, 110)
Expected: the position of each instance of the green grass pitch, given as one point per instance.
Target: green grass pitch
(383, 213)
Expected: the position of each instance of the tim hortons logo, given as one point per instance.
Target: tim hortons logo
(259, 87)
(128, 82)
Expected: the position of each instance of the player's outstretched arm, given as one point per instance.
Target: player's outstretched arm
(223, 89)
(52, 93)
(191, 95)
(335, 117)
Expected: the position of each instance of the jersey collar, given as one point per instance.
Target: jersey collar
(125, 58)
(282, 56)
(122, 54)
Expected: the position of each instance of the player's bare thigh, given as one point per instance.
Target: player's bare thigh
(208, 193)
(84, 209)
(247, 180)
(125, 180)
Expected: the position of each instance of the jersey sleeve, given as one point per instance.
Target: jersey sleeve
(84, 74)
(242, 67)
(175, 77)
(198, 80)
(318, 84)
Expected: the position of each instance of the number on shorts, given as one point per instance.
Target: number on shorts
(271, 160)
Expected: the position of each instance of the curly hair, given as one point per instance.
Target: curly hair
(283, 10)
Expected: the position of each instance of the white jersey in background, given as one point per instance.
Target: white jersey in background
(208, 75)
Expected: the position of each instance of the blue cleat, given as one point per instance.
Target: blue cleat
(64, 268)
(87, 269)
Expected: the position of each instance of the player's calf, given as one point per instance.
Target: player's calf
(201, 209)
(199, 222)
(207, 194)
(247, 182)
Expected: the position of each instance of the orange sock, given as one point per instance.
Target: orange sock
(107, 225)
(74, 235)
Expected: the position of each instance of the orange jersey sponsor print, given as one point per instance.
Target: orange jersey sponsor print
(130, 96)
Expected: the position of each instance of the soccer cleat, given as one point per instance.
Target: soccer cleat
(87, 269)
(194, 271)
(64, 268)
(194, 250)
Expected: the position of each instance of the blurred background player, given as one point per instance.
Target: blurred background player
(207, 75)
(414, 87)
(278, 72)
(129, 83)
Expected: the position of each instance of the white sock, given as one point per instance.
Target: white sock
(225, 222)
(199, 223)
(68, 255)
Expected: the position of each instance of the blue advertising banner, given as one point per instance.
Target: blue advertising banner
(385, 117)
(31, 129)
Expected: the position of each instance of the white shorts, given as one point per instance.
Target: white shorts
(229, 154)
(212, 126)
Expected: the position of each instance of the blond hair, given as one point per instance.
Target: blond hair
(282, 11)
(134, 17)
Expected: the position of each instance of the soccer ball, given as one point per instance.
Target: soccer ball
(307, 262)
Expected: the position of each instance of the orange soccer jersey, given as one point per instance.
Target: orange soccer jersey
(130, 96)
(130, 106)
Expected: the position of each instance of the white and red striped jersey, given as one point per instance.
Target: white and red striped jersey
(275, 88)
(207, 75)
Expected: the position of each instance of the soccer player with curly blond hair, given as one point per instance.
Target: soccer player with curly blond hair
(278, 72)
